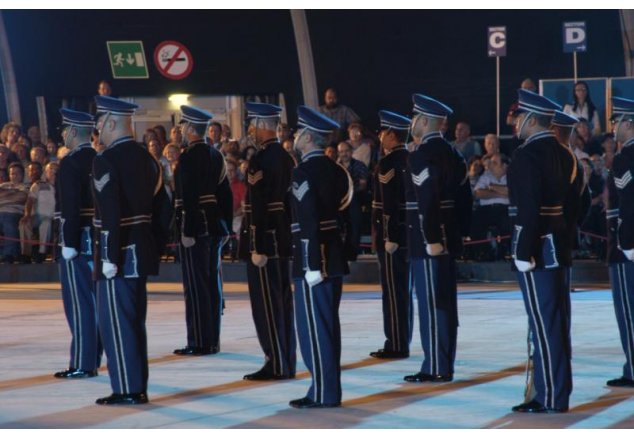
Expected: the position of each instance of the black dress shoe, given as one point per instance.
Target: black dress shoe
(621, 382)
(421, 377)
(382, 353)
(307, 403)
(76, 373)
(536, 407)
(124, 399)
(265, 375)
(192, 350)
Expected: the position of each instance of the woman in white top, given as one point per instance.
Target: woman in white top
(583, 107)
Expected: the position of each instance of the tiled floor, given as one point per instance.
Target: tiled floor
(208, 392)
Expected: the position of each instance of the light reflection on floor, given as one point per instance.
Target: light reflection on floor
(208, 392)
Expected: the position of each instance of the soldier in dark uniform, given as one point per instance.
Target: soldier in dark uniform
(575, 209)
(539, 186)
(132, 215)
(75, 212)
(204, 212)
(441, 188)
(322, 190)
(620, 215)
(265, 245)
(396, 281)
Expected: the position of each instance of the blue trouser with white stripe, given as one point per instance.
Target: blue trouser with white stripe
(622, 279)
(122, 308)
(436, 291)
(547, 301)
(201, 266)
(80, 307)
(319, 331)
(398, 306)
(272, 309)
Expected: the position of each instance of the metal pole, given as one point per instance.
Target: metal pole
(9, 83)
(574, 58)
(305, 55)
(497, 95)
(41, 116)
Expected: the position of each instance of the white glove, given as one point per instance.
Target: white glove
(187, 241)
(629, 254)
(524, 266)
(390, 247)
(313, 277)
(259, 260)
(434, 249)
(68, 253)
(109, 270)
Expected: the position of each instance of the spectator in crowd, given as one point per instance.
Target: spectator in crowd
(609, 150)
(230, 148)
(5, 159)
(34, 135)
(583, 107)
(527, 84)
(172, 153)
(104, 88)
(491, 215)
(243, 167)
(155, 149)
(13, 195)
(40, 155)
(22, 155)
(595, 222)
(226, 133)
(63, 150)
(95, 141)
(4, 177)
(592, 144)
(359, 173)
(249, 152)
(464, 143)
(475, 169)
(289, 146)
(283, 132)
(491, 145)
(578, 144)
(238, 190)
(340, 113)
(149, 135)
(361, 147)
(10, 134)
(51, 150)
(161, 134)
(331, 153)
(175, 136)
(214, 133)
(38, 213)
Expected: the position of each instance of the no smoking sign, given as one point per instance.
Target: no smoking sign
(173, 60)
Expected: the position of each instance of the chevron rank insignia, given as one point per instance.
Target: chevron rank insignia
(300, 190)
(385, 178)
(623, 181)
(420, 178)
(101, 183)
(255, 177)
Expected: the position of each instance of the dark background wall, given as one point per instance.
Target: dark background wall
(376, 59)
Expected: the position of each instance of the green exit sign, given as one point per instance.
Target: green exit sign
(127, 59)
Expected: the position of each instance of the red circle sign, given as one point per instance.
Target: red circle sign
(173, 60)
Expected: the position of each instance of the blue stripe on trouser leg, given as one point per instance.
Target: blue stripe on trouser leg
(215, 289)
(622, 279)
(195, 263)
(319, 331)
(122, 309)
(271, 315)
(435, 285)
(78, 296)
(396, 300)
(546, 302)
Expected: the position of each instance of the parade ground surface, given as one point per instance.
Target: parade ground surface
(208, 391)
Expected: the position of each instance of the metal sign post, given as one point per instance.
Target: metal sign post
(497, 48)
(575, 36)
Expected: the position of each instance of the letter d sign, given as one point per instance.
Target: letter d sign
(574, 37)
